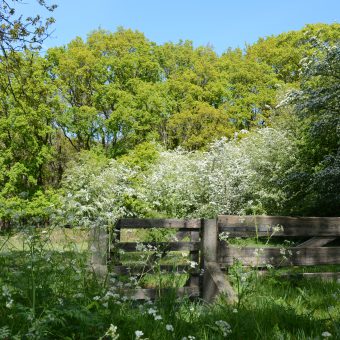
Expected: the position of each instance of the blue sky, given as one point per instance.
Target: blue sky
(219, 23)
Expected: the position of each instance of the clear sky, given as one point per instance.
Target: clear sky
(220, 23)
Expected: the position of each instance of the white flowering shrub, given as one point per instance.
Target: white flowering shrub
(96, 194)
(233, 177)
(172, 185)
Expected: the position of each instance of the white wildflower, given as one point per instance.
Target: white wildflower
(193, 264)
(139, 334)
(169, 328)
(112, 332)
(9, 303)
(152, 311)
(224, 327)
(326, 334)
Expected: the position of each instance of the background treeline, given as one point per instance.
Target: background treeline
(118, 125)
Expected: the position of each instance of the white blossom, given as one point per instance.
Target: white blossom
(169, 328)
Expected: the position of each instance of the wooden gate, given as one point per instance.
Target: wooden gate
(184, 229)
(202, 240)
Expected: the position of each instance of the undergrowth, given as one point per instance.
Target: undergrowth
(48, 293)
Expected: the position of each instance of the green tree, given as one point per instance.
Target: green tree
(27, 113)
(315, 185)
(107, 88)
(196, 128)
(252, 88)
(284, 52)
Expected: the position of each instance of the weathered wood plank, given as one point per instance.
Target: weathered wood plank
(316, 242)
(324, 276)
(327, 276)
(245, 226)
(116, 237)
(132, 223)
(98, 247)
(215, 283)
(194, 256)
(277, 257)
(162, 246)
(153, 293)
(210, 239)
(138, 269)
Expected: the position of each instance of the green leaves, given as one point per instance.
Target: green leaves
(123, 96)
(317, 109)
(197, 127)
(284, 52)
(18, 32)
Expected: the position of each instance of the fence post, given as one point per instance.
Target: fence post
(116, 233)
(209, 254)
(210, 237)
(98, 246)
(194, 280)
(214, 281)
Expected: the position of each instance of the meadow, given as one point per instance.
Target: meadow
(48, 291)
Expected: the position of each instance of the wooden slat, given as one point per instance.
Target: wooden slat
(163, 246)
(194, 257)
(245, 226)
(246, 231)
(132, 223)
(316, 242)
(298, 257)
(325, 276)
(329, 276)
(138, 269)
(116, 239)
(210, 240)
(153, 293)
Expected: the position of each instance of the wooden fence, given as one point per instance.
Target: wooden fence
(318, 247)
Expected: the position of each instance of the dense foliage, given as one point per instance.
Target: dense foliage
(262, 123)
(119, 126)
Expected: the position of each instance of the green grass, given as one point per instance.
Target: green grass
(47, 291)
(55, 239)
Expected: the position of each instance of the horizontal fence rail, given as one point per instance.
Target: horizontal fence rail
(131, 223)
(250, 226)
(277, 257)
(166, 246)
(153, 293)
(142, 269)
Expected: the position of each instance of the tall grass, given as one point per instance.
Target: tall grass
(48, 291)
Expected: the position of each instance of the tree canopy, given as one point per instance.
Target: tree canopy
(122, 96)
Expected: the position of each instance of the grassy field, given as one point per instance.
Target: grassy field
(48, 291)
